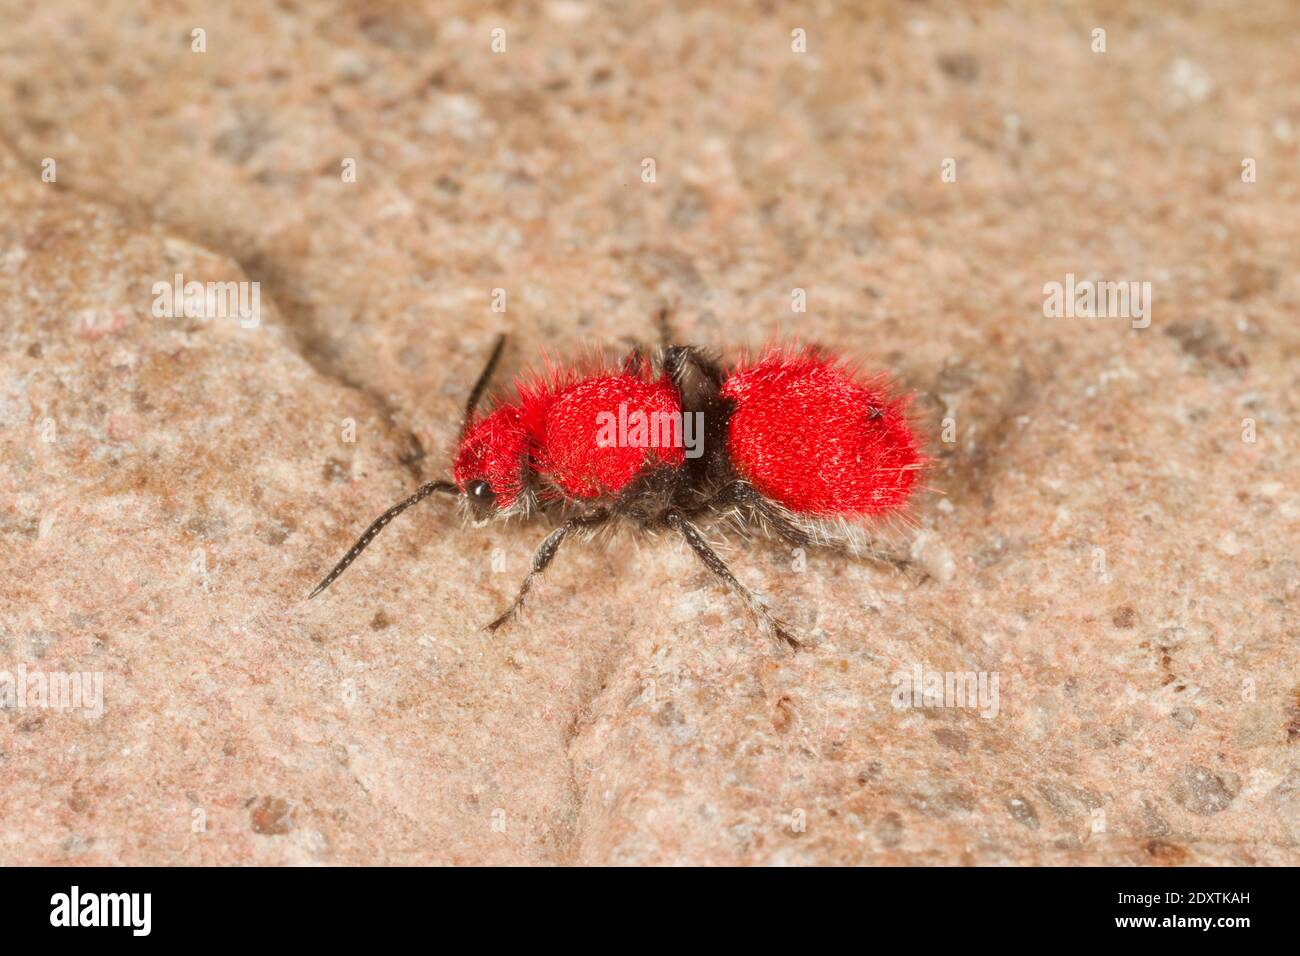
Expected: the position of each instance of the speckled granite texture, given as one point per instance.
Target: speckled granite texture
(1111, 536)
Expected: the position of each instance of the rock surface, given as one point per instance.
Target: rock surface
(1111, 535)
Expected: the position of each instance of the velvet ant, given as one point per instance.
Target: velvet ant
(794, 444)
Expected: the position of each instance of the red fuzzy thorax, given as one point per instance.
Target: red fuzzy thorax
(597, 435)
(560, 428)
(807, 435)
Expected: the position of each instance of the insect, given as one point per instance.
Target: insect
(793, 444)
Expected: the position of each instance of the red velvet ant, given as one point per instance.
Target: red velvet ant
(793, 444)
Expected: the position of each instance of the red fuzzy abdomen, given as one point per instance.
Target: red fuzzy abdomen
(808, 436)
(597, 435)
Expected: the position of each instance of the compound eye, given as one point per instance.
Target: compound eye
(480, 493)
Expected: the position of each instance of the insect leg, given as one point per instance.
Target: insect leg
(742, 493)
(634, 361)
(664, 327)
(542, 559)
(778, 522)
(710, 559)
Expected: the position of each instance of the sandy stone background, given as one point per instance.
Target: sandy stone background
(1113, 523)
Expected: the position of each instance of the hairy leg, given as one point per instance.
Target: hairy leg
(777, 522)
(709, 558)
(634, 361)
(664, 327)
(542, 559)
